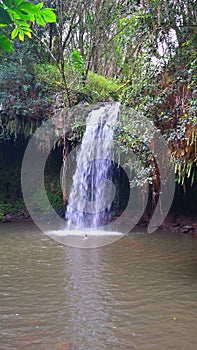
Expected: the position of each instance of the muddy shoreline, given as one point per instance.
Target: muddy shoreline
(174, 222)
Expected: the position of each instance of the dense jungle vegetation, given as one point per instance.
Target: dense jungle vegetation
(141, 53)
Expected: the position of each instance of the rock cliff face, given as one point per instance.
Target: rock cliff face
(182, 217)
(183, 214)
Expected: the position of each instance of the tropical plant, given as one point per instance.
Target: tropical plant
(17, 16)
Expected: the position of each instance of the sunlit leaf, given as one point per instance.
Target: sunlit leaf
(14, 33)
(24, 16)
(40, 5)
(28, 34)
(15, 13)
(26, 29)
(21, 36)
(22, 24)
(48, 15)
(27, 7)
(40, 21)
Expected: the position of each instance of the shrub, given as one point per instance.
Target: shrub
(100, 88)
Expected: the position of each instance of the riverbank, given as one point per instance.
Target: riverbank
(174, 222)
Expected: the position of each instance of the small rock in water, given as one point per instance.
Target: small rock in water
(187, 228)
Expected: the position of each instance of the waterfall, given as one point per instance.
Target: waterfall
(92, 191)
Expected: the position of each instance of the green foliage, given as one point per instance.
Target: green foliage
(76, 133)
(100, 88)
(77, 61)
(133, 136)
(49, 77)
(54, 194)
(30, 92)
(16, 207)
(11, 201)
(20, 13)
(122, 42)
(5, 44)
(168, 98)
(4, 17)
(23, 99)
(97, 87)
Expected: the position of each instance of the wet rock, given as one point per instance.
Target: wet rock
(184, 230)
(164, 227)
(187, 229)
(176, 224)
(10, 218)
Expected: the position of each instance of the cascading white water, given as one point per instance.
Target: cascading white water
(92, 190)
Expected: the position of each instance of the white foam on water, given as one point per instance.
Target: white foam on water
(81, 232)
(76, 238)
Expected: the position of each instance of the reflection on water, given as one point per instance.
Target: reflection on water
(122, 296)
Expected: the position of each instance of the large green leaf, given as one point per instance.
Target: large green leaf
(17, 2)
(27, 7)
(48, 15)
(22, 15)
(5, 44)
(4, 17)
(40, 20)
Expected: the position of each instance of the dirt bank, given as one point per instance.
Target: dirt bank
(174, 222)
